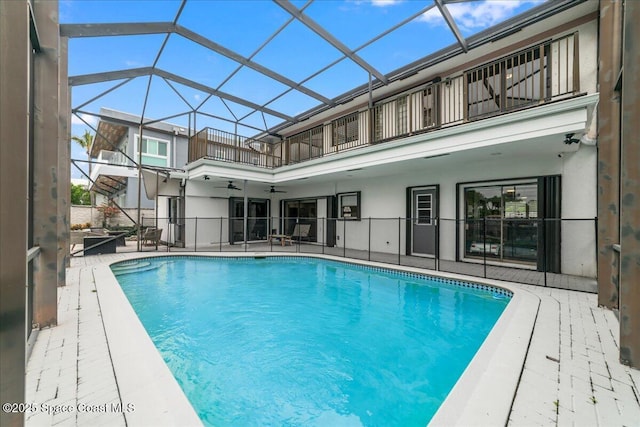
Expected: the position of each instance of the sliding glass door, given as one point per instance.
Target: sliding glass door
(501, 222)
(302, 212)
(257, 219)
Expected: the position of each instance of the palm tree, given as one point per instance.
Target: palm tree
(85, 142)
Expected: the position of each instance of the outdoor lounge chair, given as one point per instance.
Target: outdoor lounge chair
(151, 236)
(300, 231)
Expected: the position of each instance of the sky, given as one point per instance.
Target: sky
(242, 26)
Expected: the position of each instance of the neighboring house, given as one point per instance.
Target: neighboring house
(114, 175)
(489, 141)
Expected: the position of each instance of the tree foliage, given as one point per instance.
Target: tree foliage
(84, 141)
(80, 195)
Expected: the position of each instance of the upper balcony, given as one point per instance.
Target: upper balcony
(538, 75)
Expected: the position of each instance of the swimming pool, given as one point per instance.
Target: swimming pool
(295, 341)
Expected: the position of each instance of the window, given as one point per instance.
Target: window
(349, 205)
(173, 210)
(377, 123)
(401, 115)
(429, 107)
(518, 80)
(305, 145)
(424, 209)
(345, 129)
(501, 221)
(154, 151)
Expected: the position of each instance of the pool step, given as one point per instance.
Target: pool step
(137, 267)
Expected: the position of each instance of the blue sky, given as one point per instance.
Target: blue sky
(243, 26)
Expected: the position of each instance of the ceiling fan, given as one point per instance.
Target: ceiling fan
(273, 190)
(230, 186)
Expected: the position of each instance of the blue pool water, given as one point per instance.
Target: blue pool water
(303, 341)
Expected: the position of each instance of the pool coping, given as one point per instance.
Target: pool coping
(483, 395)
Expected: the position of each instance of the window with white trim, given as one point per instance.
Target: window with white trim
(155, 152)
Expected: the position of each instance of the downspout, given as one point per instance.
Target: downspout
(591, 133)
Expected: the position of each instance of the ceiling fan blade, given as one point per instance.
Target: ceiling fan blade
(273, 190)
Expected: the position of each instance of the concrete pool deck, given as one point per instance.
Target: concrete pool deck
(89, 370)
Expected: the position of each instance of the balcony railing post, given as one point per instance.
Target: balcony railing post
(543, 86)
(576, 62)
(195, 237)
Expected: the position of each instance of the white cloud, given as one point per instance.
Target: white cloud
(384, 3)
(197, 97)
(375, 3)
(75, 120)
(131, 63)
(476, 15)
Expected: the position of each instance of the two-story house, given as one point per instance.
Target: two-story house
(117, 149)
(485, 154)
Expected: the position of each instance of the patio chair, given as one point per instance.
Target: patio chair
(151, 236)
(300, 231)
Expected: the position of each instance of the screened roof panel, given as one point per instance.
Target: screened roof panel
(84, 93)
(163, 101)
(280, 58)
(99, 54)
(215, 106)
(256, 119)
(193, 96)
(293, 103)
(195, 62)
(473, 17)
(237, 110)
(128, 98)
(241, 26)
(103, 11)
(296, 52)
(370, 18)
(338, 79)
(405, 45)
(253, 86)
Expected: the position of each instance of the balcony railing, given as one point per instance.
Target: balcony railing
(539, 74)
(228, 147)
(113, 158)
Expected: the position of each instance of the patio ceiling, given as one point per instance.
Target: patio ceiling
(109, 185)
(107, 137)
(258, 67)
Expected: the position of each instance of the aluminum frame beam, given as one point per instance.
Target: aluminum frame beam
(452, 24)
(319, 30)
(118, 29)
(146, 71)
(131, 29)
(211, 45)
